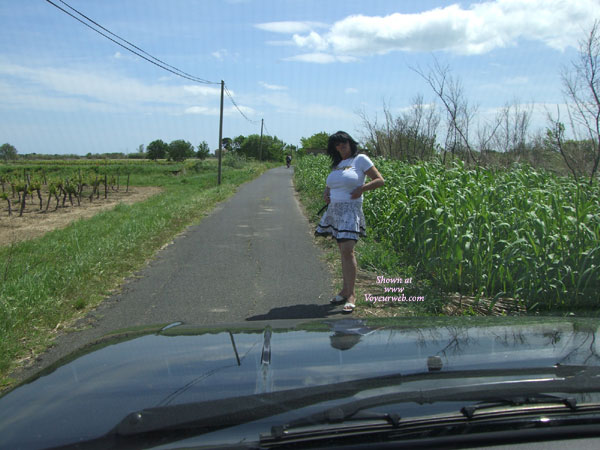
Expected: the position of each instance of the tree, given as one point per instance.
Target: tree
(179, 150)
(233, 145)
(460, 117)
(7, 152)
(582, 89)
(236, 145)
(459, 114)
(318, 141)
(409, 136)
(140, 154)
(203, 150)
(272, 147)
(510, 140)
(226, 143)
(157, 149)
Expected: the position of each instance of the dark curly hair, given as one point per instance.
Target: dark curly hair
(335, 139)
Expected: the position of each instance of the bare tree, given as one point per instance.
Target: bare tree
(409, 136)
(582, 89)
(512, 133)
(578, 154)
(459, 113)
(423, 122)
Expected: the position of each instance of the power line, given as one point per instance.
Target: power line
(237, 107)
(267, 131)
(157, 62)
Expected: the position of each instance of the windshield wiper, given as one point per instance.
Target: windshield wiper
(351, 411)
(203, 417)
(233, 411)
(572, 379)
(539, 399)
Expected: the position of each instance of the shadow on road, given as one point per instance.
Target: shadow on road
(299, 312)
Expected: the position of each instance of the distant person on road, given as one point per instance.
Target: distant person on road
(344, 219)
(288, 160)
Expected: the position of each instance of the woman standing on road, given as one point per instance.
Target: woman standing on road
(344, 219)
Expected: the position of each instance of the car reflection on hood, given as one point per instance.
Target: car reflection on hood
(89, 394)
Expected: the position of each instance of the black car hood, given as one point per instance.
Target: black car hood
(89, 393)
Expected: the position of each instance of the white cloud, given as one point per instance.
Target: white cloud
(351, 91)
(287, 43)
(321, 58)
(283, 103)
(313, 41)
(219, 54)
(212, 111)
(476, 29)
(223, 54)
(248, 112)
(272, 87)
(72, 89)
(202, 110)
(126, 56)
(290, 27)
(204, 91)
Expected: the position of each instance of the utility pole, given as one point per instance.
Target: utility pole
(262, 121)
(221, 134)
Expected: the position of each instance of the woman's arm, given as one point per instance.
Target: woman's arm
(326, 195)
(376, 182)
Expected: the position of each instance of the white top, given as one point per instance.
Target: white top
(347, 176)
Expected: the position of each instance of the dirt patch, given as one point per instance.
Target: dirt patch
(34, 223)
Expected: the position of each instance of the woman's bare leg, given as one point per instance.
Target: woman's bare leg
(348, 268)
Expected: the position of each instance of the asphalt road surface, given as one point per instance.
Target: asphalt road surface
(252, 259)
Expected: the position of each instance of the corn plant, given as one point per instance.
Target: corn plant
(518, 233)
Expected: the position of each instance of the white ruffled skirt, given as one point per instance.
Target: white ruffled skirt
(342, 220)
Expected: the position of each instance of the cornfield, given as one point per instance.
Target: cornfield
(520, 233)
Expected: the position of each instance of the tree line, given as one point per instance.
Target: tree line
(264, 148)
(178, 150)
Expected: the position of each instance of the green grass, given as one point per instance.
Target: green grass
(518, 233)
(48, 281)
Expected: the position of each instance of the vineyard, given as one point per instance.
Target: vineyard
(36, 190)
(41, 197)
(45, 190)
(520, 233)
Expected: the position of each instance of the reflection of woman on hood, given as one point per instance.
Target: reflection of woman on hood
(347, 333)
(343, 341)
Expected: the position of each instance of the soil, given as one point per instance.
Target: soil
(35, 223)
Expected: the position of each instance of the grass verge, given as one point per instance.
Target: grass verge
(48, 282)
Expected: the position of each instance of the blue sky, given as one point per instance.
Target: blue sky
(303, 66)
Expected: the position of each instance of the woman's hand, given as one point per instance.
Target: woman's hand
(356, 193)
(376, 182)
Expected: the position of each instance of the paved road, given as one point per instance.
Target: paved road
(253, 258)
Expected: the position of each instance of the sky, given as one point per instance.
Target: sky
(301, 66)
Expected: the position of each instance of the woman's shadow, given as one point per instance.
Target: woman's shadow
(300, 312)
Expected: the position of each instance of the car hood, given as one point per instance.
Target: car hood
(93, 390)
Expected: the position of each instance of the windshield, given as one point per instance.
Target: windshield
(403, 187)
